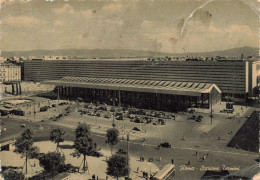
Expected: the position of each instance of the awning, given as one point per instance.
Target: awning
(174, 88)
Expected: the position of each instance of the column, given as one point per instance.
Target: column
(16, 85)
(20, 88)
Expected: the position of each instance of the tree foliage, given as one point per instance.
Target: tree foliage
(24, 146)
(82, 130)
(27, 134)
(52, 162)
(117, 166)
(83, 144)
(57, 136)
(13, 174)
(112, 137)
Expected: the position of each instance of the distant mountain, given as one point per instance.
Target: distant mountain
(236, 52)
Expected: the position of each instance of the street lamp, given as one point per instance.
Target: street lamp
(127, 153)
(211, 111)
(113, 123)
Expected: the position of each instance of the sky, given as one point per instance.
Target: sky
(154, 25)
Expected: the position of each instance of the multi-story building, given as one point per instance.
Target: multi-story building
(234, 78)
(10, 72)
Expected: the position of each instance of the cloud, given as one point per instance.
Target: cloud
(87, 13)
(113, 7)
(66, 8)
(58, 23)
(22, 21)
(220, 38)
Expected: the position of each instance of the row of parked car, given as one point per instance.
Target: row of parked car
(16, 112)
(150, 113)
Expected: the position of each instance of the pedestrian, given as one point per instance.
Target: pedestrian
(189, 162)
(204, 157)
(172, 161)
(196, 153)
(137, 170)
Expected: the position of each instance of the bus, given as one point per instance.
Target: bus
(166, 173)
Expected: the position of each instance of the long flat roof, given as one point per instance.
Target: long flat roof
(162, 87)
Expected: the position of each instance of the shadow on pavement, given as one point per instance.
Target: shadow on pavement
(246, 137)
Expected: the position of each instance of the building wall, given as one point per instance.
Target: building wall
(230, 77)
(10, 72)
(255, 73)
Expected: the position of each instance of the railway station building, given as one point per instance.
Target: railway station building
(161, 95)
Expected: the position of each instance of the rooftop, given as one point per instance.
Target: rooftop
(148, 86)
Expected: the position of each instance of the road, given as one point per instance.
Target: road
(182, 151)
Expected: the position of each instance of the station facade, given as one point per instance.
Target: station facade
(234, 78)
(161, 95)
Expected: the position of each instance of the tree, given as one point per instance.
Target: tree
(117, 166)
(84, 145)
(52, 162)
(13, 174)
(112, 138)
(24, 146)
(82, 130)
(57, 136)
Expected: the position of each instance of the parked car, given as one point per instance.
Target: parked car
(166, 145)
(68, 109)
(161, 121)
(121, 151)
(119, 116)
(17, 112)
(200, 116)
(44, 108)
(193, 117)
(198, 120)
(107, 116)
(191, 111)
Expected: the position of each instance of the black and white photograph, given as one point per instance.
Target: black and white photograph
(129, 90)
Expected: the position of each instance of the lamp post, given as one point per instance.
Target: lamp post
(211, 111)
(58, 94)
(113, 123)
(34, 112)
(127, 153)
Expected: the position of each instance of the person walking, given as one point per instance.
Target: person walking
(172, 161)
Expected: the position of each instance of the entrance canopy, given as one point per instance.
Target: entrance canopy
(148, 86)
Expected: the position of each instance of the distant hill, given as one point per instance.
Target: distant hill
(236, 52)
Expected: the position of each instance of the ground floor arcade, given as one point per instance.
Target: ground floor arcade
(137, 99)
(167, 98)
